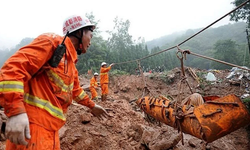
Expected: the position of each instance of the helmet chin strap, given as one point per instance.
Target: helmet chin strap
(79, 50)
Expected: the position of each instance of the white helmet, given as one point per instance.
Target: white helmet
(103, 63)
(96, 74)
(75, 22)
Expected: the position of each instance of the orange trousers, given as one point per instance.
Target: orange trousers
(93, 93)
(105, 89)
(41, 139)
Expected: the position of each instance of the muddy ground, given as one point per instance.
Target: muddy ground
(128, 128)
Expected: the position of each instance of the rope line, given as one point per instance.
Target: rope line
(213, 59)
(241, 5)
(189, 39)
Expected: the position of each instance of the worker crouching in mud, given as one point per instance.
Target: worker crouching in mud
(39, 82)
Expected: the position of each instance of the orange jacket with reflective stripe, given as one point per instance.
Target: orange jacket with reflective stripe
(93, 83)
(29, 84)
(104, 78)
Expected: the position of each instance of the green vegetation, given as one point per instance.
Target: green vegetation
(241, 14)
(117, 72)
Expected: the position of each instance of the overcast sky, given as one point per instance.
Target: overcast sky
(148, 18)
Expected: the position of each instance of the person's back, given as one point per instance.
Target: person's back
(42, 76)
(35, 94)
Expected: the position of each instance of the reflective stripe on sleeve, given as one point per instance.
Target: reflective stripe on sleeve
(44, 104)
(11, 86)
(80, 96)
(104, 73)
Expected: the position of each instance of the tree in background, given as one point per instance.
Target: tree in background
(118, 48)
(120, 42)
(96, 53)
(122, 48)
(242, 13)
(228, 51)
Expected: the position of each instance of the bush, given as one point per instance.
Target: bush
(118, 72)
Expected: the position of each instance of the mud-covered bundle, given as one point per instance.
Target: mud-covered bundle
(209, 121)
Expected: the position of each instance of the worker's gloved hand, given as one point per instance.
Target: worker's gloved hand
(112, 64)
(99, 112)
(16, 127)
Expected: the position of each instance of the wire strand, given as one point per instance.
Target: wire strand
(188, 40)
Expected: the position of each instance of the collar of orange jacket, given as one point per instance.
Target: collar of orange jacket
(71, 49)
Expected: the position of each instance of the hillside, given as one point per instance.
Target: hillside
(206, 38)
(128, 128)
(203, 42)
(5, 54)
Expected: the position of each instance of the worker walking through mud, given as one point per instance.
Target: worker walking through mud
(94, 86)
(39, 82)
(104, 79)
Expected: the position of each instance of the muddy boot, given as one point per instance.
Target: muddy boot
(104, 97)
(96, 98)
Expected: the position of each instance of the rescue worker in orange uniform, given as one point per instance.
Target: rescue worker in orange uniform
(93, 86)
(104, 79)
(35, 95)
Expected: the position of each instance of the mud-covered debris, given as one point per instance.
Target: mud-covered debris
(85, 118)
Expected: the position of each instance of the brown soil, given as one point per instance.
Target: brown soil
(128, 128)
